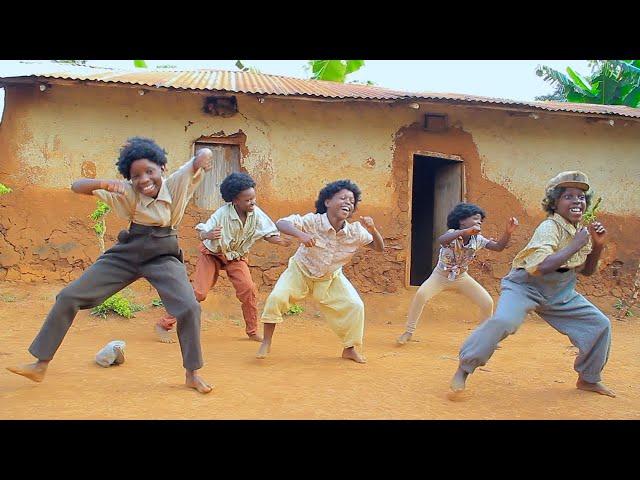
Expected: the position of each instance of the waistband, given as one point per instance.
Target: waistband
(137, 229)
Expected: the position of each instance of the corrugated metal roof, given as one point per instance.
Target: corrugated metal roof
(263, 84)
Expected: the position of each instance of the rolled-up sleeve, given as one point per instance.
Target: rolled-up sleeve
(264, 225)
(297, 221)
(365, 237)
(121, 204)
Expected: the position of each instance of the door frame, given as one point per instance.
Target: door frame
(463, 184)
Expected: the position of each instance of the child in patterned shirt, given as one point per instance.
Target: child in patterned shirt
(458, 248)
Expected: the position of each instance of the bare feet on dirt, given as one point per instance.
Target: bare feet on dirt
(164, 336)
(458, 381)
(33, 371)
(598, 387)
(264, 350)
(195, 381)
(350, 354)
(404, 338)
(255, 337)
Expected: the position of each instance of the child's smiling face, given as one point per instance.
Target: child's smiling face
(342, 204)
(571, 204)
(146, 177)
(245, 201)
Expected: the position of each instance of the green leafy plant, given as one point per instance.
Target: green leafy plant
(117, 304)
(333, 70)
(100, 226)
(4, 189)
(294, 309)
(156, 302)
(611, 82)
(620, 304)
(591, 214)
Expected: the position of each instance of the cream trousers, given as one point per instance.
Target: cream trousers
(339, 301)
(438, 282)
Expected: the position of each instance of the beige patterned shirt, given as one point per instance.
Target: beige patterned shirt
(237, 238)
(333, 249)
(456, 256)
(553, 234)
(167, 209)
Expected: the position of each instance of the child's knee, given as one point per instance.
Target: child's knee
(504, 325)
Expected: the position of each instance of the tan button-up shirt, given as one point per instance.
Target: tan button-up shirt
(237, 238)
(552, 234)
(333, 249)
(167, 209)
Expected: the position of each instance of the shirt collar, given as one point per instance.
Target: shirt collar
(560, 220)
(326, 224)
(234, 214)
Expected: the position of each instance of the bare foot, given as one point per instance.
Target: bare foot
(458, 381)
(595, 387)
(33, 371)
(404, 338)
(350, 354)
(164, 336)
(255, 337)
(119, 355)
(265, 348)
(195, 381)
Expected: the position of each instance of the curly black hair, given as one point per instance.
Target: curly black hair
(552, 196)
(235, 183)
(462, 211)
(136, 148)
(330, 189)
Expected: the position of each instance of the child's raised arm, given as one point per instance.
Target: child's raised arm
(446, 238)
(86, 186)
(289, 228)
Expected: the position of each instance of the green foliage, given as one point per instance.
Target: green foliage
(4, 189)
(294, 309)
(101, 210)
(244, 68)
(591, 214)
(611, 82)
(100, 226)
(156, 302)
(117, 304)
(620, 304)
(333, 70)
(140, 64)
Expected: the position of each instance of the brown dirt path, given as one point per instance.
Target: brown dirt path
(530, 377)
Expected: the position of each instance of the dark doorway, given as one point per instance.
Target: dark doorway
(437, 187)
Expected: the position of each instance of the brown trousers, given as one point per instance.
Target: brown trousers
(142, 252)
(208, 268)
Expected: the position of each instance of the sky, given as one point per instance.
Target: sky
(509, 79)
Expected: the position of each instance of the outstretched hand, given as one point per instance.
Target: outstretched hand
(512, 224)
(598, 233)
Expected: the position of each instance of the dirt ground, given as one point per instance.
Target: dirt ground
(530, 377)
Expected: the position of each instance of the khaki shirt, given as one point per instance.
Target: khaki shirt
(553, 234)
(333, 249)
(237, 238)
(167, 209)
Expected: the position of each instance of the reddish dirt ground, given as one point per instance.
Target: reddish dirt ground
(530, 377)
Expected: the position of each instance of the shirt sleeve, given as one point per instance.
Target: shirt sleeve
(544, 242)
(121, 204)
(365, 237)
(210, 224)
(183, 182)
(481, 242)
(298, 221)
(265, 226)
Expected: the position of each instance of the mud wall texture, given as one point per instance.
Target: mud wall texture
(292, 148)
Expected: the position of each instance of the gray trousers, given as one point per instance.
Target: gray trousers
(554, 298)
(142, 252)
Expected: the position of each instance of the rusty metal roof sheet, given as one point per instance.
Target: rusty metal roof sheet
(263, 84)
